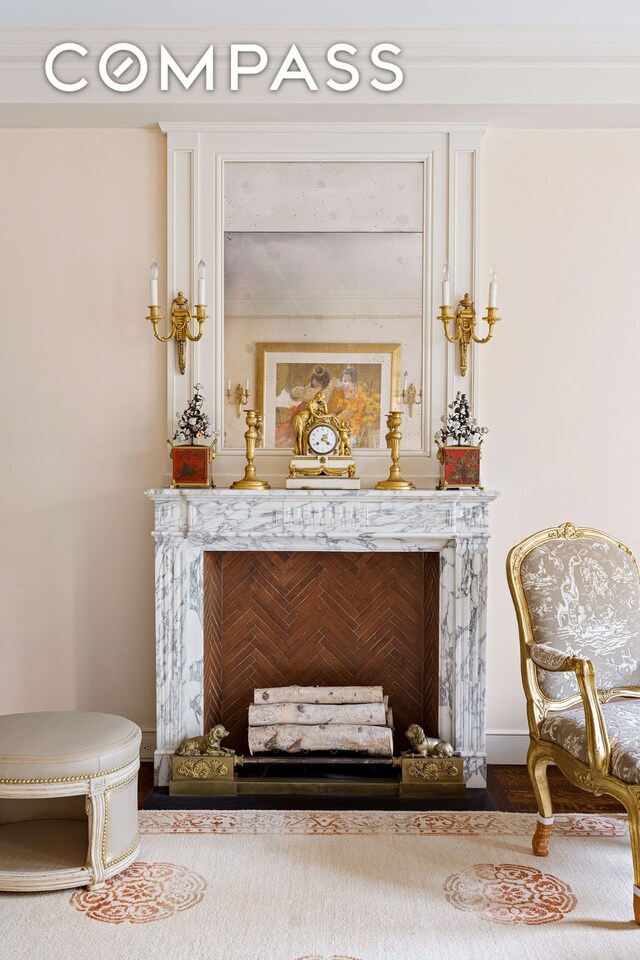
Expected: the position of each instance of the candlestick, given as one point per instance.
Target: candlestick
(250, 480)
(393, 438)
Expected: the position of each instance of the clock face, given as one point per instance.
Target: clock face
(322, 439)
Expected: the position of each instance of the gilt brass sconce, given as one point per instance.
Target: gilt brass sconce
(464, 318)
(181, 315)
(410, 396)
(239, 396)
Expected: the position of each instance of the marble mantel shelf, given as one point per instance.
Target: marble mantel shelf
(232, 519)
(453, 523)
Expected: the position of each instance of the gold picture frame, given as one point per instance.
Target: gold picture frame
(361, 382)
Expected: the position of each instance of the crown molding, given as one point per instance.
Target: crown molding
(505, 76)
(472, 45)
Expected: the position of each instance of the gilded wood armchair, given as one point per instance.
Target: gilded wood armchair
(577, 597)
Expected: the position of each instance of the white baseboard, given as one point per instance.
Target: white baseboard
(507, 746)
(148, 745)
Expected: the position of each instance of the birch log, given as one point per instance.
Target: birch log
(370, 714)
(319, 695)
(294, 737)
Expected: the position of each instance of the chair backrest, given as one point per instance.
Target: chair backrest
(578, 590)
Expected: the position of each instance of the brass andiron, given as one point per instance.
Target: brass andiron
(250, 481)
(465, 326)
(423, 746)
(208, 745)
(393, 438)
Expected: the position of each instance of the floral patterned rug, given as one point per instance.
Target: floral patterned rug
(324, 885)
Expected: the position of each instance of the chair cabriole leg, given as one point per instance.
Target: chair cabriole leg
(537, 767)
(633, 809)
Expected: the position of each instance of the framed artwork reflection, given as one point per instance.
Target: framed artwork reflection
(359, 380)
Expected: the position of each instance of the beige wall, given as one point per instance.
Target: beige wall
(561, 216)
(83, 406)
(83, 391)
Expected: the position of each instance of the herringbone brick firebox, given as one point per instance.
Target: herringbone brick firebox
(279, 618)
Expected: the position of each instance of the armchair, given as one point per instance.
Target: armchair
(577, 597)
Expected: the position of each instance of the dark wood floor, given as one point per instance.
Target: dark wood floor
(508, 787)
(510, 790)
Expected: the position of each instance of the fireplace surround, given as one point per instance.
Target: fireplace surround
(192, 523)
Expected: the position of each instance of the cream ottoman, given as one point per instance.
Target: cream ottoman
(68, 799)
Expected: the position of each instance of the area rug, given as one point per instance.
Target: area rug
(324, 885)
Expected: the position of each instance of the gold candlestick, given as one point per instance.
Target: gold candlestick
(393, 438)
(250, 481)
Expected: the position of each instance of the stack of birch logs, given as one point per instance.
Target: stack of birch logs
(295, 719)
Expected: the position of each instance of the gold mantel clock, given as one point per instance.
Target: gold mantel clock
(322, 452)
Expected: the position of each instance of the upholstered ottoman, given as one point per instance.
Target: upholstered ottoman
(68, 799)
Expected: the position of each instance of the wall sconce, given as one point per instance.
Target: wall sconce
(181, 315)
(239, 396)
(410, 396)
(465, 316)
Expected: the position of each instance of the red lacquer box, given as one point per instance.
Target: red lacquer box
(191, 465)
(460, 467)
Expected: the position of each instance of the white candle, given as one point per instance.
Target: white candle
(446, 285)
(247, 384)
(493, 286)
(153, 297)
(202, 272)
(406, 381)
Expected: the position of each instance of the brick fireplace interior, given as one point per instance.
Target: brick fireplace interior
(279, 618)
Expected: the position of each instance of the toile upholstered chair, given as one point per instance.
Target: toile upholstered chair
(577, 598)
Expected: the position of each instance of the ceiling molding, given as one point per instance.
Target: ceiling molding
(504, 76)
(570, 45)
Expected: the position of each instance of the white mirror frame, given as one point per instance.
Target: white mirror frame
(196, 155)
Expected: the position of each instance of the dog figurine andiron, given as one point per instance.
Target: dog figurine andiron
(424, 746)
(207, 745)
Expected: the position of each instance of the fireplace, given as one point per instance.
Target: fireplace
(226, 558)
(272, 619)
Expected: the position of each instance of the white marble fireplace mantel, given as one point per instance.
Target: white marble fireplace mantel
(452, 523)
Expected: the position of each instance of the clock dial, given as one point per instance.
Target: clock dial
(322, 439)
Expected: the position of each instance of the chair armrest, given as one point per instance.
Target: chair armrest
(598, 746)
(550, 658)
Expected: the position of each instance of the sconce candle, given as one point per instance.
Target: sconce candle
(493, 286)
(153, 298)
(446, 286)
(202, 273)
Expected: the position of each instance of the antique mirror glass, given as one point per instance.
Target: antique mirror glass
(323, 289)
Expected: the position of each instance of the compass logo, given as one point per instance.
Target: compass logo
(124, 67)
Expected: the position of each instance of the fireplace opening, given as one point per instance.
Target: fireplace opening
(274, 619)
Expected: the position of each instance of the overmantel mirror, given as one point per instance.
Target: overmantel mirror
(324, 266)
(324, 246)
